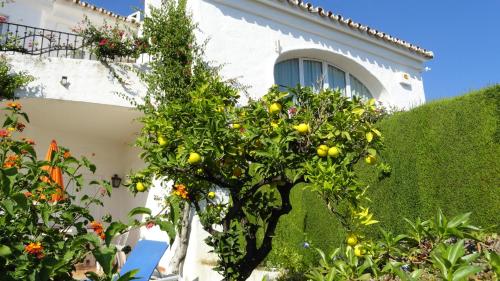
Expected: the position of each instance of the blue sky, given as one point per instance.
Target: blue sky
(464, 35)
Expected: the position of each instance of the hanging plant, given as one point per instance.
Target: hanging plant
(109, 42)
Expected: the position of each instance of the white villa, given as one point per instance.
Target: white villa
(260, 42)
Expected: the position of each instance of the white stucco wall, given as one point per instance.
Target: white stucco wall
(89, 81)
(247, 37)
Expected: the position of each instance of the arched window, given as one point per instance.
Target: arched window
(318, 74)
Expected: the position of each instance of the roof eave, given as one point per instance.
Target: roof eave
(362, 30)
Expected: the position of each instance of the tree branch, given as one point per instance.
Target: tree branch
(258, 255)
(207, 228)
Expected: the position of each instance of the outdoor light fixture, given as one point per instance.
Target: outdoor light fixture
(64, 81)
(116, 181)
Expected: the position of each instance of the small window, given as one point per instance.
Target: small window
(336, 79)
(286, 74)
(359, 89)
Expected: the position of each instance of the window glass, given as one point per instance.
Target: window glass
(336, 79)
(286, 74)
(313, 74)
(359, 89)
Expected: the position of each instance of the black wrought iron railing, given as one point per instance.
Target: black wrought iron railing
(29, 40)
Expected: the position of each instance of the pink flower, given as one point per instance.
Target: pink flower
(292, 111)
(150, 225)
(4, 133)
(103, 42)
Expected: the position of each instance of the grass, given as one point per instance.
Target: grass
(444, 154)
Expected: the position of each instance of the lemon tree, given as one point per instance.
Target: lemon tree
(198, 135)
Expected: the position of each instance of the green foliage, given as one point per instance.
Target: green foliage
(197, 135)
(433, 249)
(444, 154)
(11, 81)
(306, 223)
(110, 42)
(43, 232)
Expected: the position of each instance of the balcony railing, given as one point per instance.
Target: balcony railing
(18, 38)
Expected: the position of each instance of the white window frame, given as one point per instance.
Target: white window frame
(326, 82)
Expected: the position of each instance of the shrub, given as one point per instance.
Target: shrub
(11, 81)
(445, 154)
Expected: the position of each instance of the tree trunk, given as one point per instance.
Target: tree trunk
(177, 262)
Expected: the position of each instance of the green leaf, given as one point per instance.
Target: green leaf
(21, 200)
(441, 264)
(87, 238)
(465, 271)
(25, 116)
(358, 111)
(8, 206)
(4, 250)
(139, 211)
(372, 151)
(456, 251)
(377, 132)
(105, 255)
(169, 228)
(346, 135)
(45, 213)
(129, 275)
(114, 229)
(494, 260)
(459, 220)
(470, 258)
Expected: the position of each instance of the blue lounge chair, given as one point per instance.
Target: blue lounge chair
(145, 256)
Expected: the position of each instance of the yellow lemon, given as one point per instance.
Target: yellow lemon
(302, 128)
(211, 195)
(370, 160)
(275, 108)
(358, 251)
(162, 141)
(333, 152)
(352, 240)
(322, 150)
(194, 158)
(236, 126)
(140, 187)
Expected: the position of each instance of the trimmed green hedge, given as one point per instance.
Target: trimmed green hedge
(444, 154)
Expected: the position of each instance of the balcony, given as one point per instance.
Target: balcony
(35, 41)
(53, 57)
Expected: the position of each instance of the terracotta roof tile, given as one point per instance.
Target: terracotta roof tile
(89, 6)
(319, 11)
